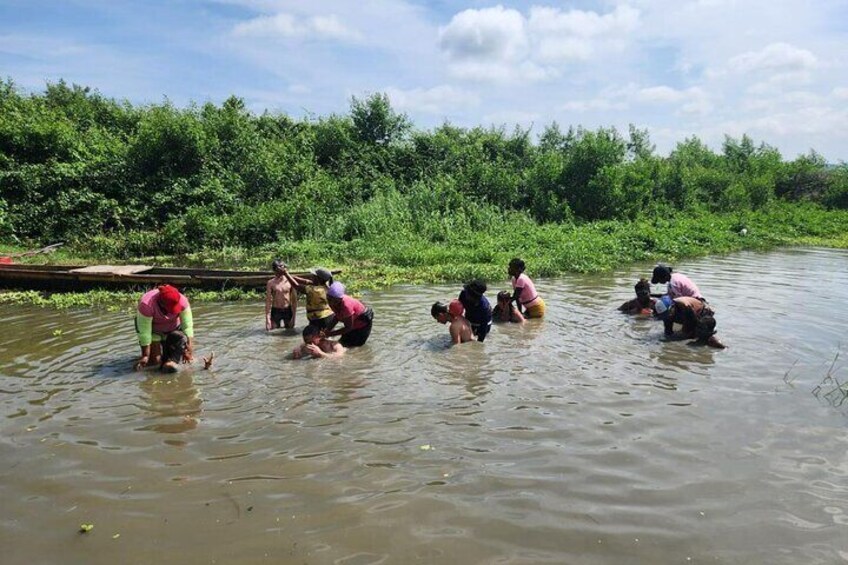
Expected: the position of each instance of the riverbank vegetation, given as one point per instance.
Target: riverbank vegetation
(365, 191)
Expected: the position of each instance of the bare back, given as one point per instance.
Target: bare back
(460, 330)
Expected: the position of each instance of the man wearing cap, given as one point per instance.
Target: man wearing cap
(356, 316)
(162, 311)
(678, 284)
(318, 310)
(280, 299)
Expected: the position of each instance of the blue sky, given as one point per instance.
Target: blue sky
(775, 70)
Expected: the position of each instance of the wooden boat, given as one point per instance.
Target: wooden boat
(138, 277)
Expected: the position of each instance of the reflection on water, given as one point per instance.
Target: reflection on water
(581, 438)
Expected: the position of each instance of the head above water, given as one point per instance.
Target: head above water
(455, 308)
(323, 275)
(705, 328)
(439, 311)
(476, 288)
(504, 296)
(662, 274)
(336, 291)
(169, 299)
(278, 266)
(643, 292)
(311, 334)
(516, 267)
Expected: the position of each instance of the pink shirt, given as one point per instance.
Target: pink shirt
(681, 285)
(162, 322)
(527, 296)
(348, 312)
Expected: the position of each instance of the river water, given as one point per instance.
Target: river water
(584, 438)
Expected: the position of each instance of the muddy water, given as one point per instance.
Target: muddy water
(581, 439)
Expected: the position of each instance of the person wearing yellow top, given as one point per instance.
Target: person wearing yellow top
(318, 310)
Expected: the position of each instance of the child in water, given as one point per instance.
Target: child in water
(505, 310)
(460, 328)
(316, 345)
(643, 303)
(524, 294)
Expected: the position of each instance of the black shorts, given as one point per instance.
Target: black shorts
(325, 323)
(283, 315)
(481, 330)
(358, 337)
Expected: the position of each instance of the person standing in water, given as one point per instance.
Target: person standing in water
(280, 299)
(460, 329)
(525, 295)
(678, 283)
(160, 312)
(478, 311)
(318, 310)
(356, 317)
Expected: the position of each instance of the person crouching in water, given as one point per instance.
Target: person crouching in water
(525, 295)
(643, 303)
(356, 317)
(505, 310)
(693, 314)
(162, 311)
(280, 299)
(460, 329)
(478, 311)
(315, 345)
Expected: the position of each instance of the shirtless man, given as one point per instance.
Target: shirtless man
(693, 314)
(460, 328)
(315, 345)
(280, 299)
(643, 303)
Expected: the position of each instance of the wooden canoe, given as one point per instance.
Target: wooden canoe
(138, 277)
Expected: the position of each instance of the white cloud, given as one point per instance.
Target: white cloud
(490, 34)
(840, 93)
(439, 100)
(576, 34)
(690, 100)
(288, 26)
(777, 57)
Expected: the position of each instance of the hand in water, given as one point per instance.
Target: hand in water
(188, 357)
(207, 361)
(141, 363)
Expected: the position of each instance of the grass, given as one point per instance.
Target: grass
(549, 250)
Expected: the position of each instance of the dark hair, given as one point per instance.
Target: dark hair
(643, 287)
(278, 265)
(476, 287)
(504, 295)
(174, 347)
(438, 308)
(310, 331)
(706, 327)
(518, 264)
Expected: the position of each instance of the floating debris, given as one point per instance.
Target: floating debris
(85, 528)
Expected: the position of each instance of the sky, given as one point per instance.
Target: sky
(776, 70)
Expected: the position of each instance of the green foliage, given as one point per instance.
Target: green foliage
(124, 181)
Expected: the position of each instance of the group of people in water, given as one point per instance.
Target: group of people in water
(165, 328)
